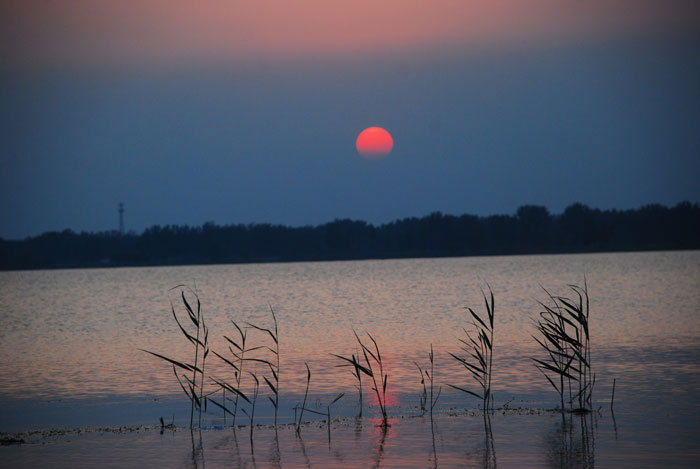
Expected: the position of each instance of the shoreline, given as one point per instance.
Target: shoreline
(412, 256)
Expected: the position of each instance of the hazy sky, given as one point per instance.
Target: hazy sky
(247, 111)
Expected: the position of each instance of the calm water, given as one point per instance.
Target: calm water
(70, 338)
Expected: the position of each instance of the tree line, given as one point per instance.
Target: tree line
(531, 230)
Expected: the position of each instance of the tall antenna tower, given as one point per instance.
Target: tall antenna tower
(121, 218)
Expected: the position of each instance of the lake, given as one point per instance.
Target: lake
(71, 358)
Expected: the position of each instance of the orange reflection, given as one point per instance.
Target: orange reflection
(391, 398)
(381, 436)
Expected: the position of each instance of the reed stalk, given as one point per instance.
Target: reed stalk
(251, 416)
(192, 387)
(238, 349)
(423, 396)
(477, 358)
(356, 372)
(306, 393)
(373, 368)
(328, 408)
(273, 365)
(327, 414)
(240, 352)
(431, 377)
(612, 398)
(235, 391)
(565, 337)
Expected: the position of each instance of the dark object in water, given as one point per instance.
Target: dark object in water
(169, 426)
(581, 411)
(11, 441)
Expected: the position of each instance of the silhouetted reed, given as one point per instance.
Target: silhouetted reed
(430, 376)
(237, 363)
(306, 393)
(251, 416)
(274, 365)
(239, 356)
(374, 369)
(357, 371)
(564, 336)
(192, 387)
(612, 397)
(478, 360)
(327, 414)
(423, 396)
(328, 410)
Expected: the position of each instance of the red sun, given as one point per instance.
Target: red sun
(374, 143)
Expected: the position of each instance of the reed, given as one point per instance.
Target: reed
(374, 369)
(199, 337)
(240, 352)
(431, 377)
(423, 396)
(306, 393)
(328, 409)
(612, 398)
(551, 327)
(478, 353)
(251, 416)
(238, 349)
(237, 363)
(563, 327)
(232, 390)
(327, 414)
(357, 371)
(273, 365)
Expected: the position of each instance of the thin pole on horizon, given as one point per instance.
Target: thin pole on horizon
(121, 218)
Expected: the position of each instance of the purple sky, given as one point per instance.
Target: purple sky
(238, 112)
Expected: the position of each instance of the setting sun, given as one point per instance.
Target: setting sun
(374, 143)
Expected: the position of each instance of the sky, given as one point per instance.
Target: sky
(248, 111)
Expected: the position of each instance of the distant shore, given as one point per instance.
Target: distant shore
(531, 230)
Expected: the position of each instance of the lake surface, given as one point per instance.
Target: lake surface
(71, 355)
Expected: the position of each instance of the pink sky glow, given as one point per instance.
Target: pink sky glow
(53, 32)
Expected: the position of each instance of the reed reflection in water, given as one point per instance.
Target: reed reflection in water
(571, 443)
(535, 440)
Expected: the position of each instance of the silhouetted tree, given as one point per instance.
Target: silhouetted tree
(531, 230)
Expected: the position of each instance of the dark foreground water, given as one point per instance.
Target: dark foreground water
(70, 358)
(511, 439)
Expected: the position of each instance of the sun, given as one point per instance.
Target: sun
(374, 143)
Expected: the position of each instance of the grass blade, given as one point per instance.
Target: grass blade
(465, 390)
(184, 366)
